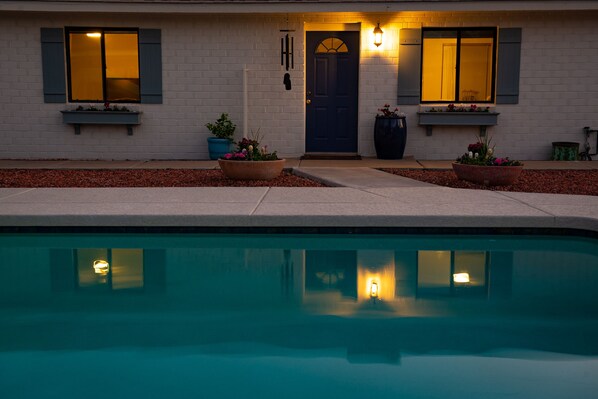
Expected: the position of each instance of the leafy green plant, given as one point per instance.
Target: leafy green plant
(224, 128)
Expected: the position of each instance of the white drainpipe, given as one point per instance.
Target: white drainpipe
(245, 101)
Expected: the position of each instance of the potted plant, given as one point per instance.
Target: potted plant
(249, 161)
(223, 130)
(390, 133)
(479, 165)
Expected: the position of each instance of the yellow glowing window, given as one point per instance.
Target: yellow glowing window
(472, 264)
(458, 65)
(109, 269)
(332, 45)
(103, 65)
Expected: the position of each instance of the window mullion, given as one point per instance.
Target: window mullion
(103, 50)
(452, 272)
(458, 67)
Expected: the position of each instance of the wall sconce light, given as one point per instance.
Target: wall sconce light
(378, 35)
(101, 267)
(461, 277)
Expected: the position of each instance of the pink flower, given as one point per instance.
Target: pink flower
(228, 156)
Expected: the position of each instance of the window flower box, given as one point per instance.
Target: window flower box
(429, 119)
(85, 117)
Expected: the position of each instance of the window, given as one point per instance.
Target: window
(332, 45)
(458, 65)
(103, 65)
(105, 269)
(452, 273)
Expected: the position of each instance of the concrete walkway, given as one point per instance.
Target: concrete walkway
(363, 197)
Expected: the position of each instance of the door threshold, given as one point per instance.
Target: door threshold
(331, 156)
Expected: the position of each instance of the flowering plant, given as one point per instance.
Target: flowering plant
(387, 113)
(481, 153)
(250, 150)
(460, 108)
(107, 107)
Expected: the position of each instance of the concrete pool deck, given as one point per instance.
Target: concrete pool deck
(363, 197)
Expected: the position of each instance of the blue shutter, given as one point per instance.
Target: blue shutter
(150, 66)
(52, 41)
(509, 62)
(409, 81)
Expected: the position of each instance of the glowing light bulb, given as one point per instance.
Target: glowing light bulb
(461, 277)
(374, 290)
(101, 267)
(378, 35)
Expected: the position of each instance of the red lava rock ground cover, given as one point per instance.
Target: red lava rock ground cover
(139, 178)
(581, 182)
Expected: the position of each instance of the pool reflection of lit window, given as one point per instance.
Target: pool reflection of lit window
(452, 273)
(109, 269)
(461, 278)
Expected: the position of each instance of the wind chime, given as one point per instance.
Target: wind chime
(287, 56)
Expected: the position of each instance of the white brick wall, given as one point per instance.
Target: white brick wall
(203, 61)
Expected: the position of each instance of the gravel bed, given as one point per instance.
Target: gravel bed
(581, 182)
(140, 178)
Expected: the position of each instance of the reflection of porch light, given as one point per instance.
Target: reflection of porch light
(461, 277)
(94, 34)
(378, 35)
(101, 267)
(374, 290)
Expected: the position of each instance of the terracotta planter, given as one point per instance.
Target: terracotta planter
(488, 175)
(251, 170)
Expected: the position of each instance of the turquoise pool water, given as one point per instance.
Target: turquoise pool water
(296, 315)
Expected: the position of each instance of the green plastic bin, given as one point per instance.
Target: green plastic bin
(564, 151)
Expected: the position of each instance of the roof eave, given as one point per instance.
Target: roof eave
(232, 7)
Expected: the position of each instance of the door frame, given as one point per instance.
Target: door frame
(330, 27)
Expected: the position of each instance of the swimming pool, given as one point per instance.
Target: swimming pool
(296, 315)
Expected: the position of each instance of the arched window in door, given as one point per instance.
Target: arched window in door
(332, 45)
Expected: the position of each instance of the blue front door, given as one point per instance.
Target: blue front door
(331, 92)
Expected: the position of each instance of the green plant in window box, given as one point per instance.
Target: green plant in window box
(460, 108)
(107, 108)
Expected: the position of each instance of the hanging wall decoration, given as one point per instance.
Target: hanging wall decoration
(287, 50)
(287, 54)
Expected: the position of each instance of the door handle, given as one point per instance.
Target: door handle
(308, 101)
